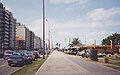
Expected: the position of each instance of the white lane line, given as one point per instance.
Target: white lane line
(2, 65)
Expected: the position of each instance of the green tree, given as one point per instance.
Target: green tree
(75, 42)
(57, 45)
(114, 37)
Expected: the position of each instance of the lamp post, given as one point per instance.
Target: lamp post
(48, 35)
(43, 14)
(48, 43)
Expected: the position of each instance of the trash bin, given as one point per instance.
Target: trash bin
(94, 56)
(106, 60)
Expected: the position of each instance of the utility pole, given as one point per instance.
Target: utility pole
(49, 37)
(43, 14)
(94, 43)
(111, 44)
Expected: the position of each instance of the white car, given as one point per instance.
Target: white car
(7, 54)
(84, 53)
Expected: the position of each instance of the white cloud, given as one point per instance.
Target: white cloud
(69, 1)
(36, 27)
(74, 4)
(95, 25)
(103, 14)
(7, 6)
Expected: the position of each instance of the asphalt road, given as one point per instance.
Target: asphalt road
(92, 67)
(5, 69)
(59, 63)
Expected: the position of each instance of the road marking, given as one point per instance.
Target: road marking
(2, 65)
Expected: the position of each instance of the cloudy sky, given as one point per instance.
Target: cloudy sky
(88, 20)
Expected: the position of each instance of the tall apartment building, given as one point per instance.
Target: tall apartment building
(13, 32)
(24, 37)
(7, 29)
(32, 35)
(20, 36)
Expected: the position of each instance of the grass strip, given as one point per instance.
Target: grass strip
(30, 69)
(114, 67)
(115, 63)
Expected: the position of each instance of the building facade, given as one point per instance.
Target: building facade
(7, 29)
(36, 42)
(14, 35)
(24, 37)
(32, 35)
(20, 34)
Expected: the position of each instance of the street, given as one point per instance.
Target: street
(5, 69)
(62, 64)
(92, 67)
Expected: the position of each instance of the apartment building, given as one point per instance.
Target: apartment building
(32, 35)
(7, 29)
(37, 44)
(24, 37)
(14, 35)
(20, 36)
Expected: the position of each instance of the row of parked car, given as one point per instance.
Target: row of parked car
(20, 57)
(83, 53)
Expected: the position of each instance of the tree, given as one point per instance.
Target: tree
(57, 45)
(114, 37)
(75, 42)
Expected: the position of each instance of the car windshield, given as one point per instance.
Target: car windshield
(16, 53)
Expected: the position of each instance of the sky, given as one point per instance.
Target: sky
(87, 20)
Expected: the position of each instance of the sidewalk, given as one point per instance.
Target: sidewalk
(58, 64)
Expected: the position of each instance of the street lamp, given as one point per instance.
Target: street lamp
(43, 14)
(48, 35)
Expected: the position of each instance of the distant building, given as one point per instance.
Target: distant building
(32, 35)
(7, 29)
(37, 43)
(106, 48)
(20, 34)
(20, 43)
(27, 38)
(25, 34)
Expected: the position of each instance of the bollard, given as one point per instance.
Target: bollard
(106, 60)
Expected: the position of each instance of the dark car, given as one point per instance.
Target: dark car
(25, 54)
(36, 54)
(16, 59)
(31, 55)
(72, 51)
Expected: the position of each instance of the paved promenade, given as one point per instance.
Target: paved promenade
(59, 64)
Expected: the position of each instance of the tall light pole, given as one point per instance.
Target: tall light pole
(49, 36)
(43, 14)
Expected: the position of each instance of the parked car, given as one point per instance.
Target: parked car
(84, 53)
(101, 54)
(7, 54)
(72, 51)
(36, 53)
(16, 59)
(31, 55)
(27, 57)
